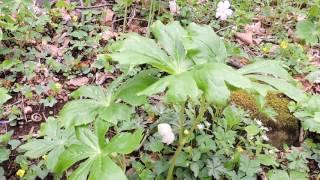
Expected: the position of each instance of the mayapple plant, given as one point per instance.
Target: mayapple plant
(193, 61)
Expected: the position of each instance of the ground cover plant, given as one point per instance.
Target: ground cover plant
(96, 89)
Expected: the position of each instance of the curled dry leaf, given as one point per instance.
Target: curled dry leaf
(80, 81)
(108, 18)
(102, 77)
(109, 35)
(255, 28)
(245, 37)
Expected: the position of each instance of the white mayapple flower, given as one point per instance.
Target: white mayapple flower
(200, 126)
(223, 10)
(166, 133)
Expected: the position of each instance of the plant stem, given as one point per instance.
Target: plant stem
(182, 138)
(125, 19)
(150, 18)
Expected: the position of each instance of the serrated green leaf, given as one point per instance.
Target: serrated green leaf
(79, 112)
(204, 45)
(4, 96)
(278, 174)
(124, 143)
(82, 172)
(268, 67)
(104, 168)
(86, 137)
(4, 154)
(309, 31)
(128, 90)
(267, 160)
(252, 130)
(283, 86)
(73, 154)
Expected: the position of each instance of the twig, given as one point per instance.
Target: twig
(94, 7)
(139, 19)
(301, 136)
(222, 29)
(24, 114)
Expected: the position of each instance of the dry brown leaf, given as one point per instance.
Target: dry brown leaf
(108, 17)
(102, 77)
(106, 35)
(245, 37)
(255, 28)
(80, 81)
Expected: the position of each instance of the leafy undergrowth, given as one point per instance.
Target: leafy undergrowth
(159, 90)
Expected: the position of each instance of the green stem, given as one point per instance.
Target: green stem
(125, 19)
(182, 138)
(150, 18)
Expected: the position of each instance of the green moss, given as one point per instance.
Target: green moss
(286, 127)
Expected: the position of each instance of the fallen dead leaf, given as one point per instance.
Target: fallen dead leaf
(255, 28)
(80, 81)
(102, 77)
(245, 37)
(108, 17)
(109, 35)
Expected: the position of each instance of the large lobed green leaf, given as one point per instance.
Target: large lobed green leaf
(274, 77)
(103, 103)
(94, 151)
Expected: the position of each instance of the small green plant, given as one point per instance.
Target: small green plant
(309, 31)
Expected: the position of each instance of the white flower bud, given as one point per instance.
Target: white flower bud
(200, 126)
(166, 133)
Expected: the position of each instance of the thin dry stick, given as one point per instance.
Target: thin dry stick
(95, 7)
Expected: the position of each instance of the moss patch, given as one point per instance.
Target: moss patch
(286, 127)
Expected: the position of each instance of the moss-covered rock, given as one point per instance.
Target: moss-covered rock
(286, 127)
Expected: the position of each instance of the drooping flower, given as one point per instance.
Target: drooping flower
(223, 10)
(166, 133)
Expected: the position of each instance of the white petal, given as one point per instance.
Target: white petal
(223, 17)
(218, 14)
(220, 4)
(228, 12)
(168, 139)
(226, 4)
